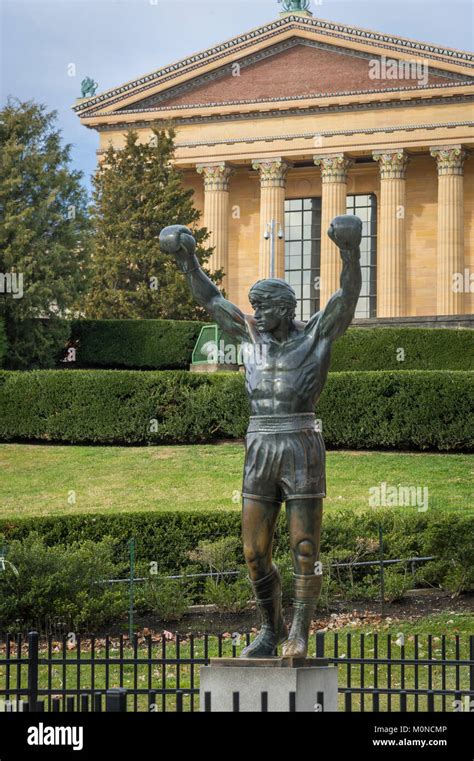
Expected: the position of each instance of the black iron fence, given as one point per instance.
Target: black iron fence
(377, 672)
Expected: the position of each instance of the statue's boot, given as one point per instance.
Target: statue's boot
(307, 590)
(268, 596)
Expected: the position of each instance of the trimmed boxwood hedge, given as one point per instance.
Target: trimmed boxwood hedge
(404, 410)
(415, 409)
(168, 345)
(166, 537)
(61, 560)
(424, 349)
(3, 341)
(140, 344)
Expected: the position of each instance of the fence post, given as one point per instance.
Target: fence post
(236, 702)
(33, 645)
(320, 702)
(116, 700)
(403, 701)
(430, 701)
(319, 644)
(471, 668)
(131, 546)
(382, 579)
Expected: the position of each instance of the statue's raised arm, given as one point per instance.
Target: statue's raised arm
(337, 315)
(178, 241)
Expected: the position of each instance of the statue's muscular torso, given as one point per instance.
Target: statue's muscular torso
(285, 378)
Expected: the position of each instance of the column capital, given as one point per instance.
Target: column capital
(334, 166)
(392, 164)
(449, 158)
(272, 172)
(216, 176)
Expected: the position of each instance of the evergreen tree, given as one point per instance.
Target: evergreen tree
(137, 192)
(43, 234)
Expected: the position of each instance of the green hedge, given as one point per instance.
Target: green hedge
(167, 537)
(404, 410)
(415, 409)
(139, 344)
(61, 583)
(59, 562)
(424, 349)
(3, 342)
(168, 344)
(121, 406)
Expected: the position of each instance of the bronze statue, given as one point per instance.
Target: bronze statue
(285, 455)
(88, 87)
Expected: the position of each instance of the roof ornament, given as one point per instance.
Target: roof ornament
(88, 87)
(300, 7)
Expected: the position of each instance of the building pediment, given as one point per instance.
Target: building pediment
(290, 59)
(295, 68)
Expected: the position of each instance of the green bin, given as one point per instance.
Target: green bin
(214, 346)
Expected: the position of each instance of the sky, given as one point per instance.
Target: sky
(114, 41)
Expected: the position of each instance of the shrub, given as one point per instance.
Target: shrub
(36, 343)
(59, 561)
(453, 568)
(123, 407)
(167, 538)
(164, 538)
(139, 344)
(399, 410)
(3, 341)
(228, 593)
(168, 344)
(227, 596)
(423, 349)
(218, 556)
(166, 598)
(60, 582)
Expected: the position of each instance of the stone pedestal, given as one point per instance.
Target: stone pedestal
(268, 685)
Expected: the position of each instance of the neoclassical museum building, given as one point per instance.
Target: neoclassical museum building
(282, 128)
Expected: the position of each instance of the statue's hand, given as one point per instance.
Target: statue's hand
(178, 241)
(346, 231)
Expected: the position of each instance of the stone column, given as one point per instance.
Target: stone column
(272, 206)
(391, 243)
(450, 254)
(334, 168)
(216, 211)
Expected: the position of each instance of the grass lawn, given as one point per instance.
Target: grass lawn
(47, 479)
